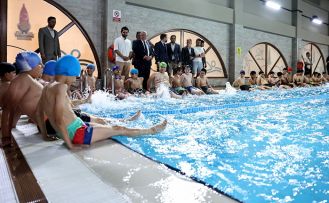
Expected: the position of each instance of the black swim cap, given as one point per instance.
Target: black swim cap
(6, 68)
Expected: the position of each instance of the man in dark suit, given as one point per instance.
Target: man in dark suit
(188, 54)
(133, 44)
(49, 42)
(174, 54)
(143, 58)
(160, 51)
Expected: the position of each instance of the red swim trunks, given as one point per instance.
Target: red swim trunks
(83, 135)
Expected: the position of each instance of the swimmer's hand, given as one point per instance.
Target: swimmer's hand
(78, 146)
(50, 138)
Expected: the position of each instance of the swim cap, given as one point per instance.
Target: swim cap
(114, 68)
(91, 66)
(27, 60)
(242, 72)
(289, 69)
(49, 68)
(134, 71)
(68, 66)
(6, 68)
(163, 65)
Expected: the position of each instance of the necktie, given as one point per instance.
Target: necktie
(146, 48)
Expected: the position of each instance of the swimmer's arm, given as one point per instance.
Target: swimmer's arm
(258, 81)
(58, 111)
(208, 85)
(235, 83)
(127, 83)
(141, 82)
(78, 102)
(198, 81)
(11, 100)
(40, 118)
(149, 82)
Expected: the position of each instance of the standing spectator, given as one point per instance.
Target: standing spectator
(49, 42)
(138, 37)
(204, 62)
(123, 50)
(327, 61)
(160, 51)
(188, 54)
(143, 58)
(308, 65)
(174, 54)
(197, 61)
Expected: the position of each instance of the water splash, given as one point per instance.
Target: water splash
(229, 89)
(163, 92)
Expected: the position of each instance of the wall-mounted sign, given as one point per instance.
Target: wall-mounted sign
(24, 25)
(116, 16)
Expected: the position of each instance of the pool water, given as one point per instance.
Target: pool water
(262, 146)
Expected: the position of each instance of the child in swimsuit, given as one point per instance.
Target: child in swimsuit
(55, 104)
(203, 84)
(187, 82)
(135, 83)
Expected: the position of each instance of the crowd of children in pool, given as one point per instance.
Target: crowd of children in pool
(182, 82)
(43, 94)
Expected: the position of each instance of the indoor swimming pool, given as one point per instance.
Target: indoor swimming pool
(261, 146)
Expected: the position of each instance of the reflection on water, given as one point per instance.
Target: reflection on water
(272, 152)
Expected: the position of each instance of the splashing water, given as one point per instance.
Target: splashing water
(229, 89)
(163, 91)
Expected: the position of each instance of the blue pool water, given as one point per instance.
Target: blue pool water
(262, 146)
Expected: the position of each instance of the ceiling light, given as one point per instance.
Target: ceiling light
(273, 5)
(316, 20)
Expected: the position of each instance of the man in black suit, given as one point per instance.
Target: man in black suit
(49, 42)
(188, 54)
(143, 57)
(160, 51)
(138, 37)
(174, 54)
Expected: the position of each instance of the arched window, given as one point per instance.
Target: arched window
(25, 17)
(264, 57)
(316, 57)
(215, 64)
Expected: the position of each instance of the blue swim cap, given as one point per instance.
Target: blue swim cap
(49, 68)
(91, 66)
(134, 71)
(114, 68)
(27, 60)
(68, 66)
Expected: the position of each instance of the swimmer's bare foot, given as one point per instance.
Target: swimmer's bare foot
(158, 128)
(134, 117)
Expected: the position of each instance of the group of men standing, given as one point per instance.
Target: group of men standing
(140, 53)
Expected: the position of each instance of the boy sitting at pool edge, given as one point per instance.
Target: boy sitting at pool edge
(55, 104)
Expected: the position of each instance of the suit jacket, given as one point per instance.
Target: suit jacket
(160, 52)
(140, 52)
(48, 45)
(186, 56)
(176, 52)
